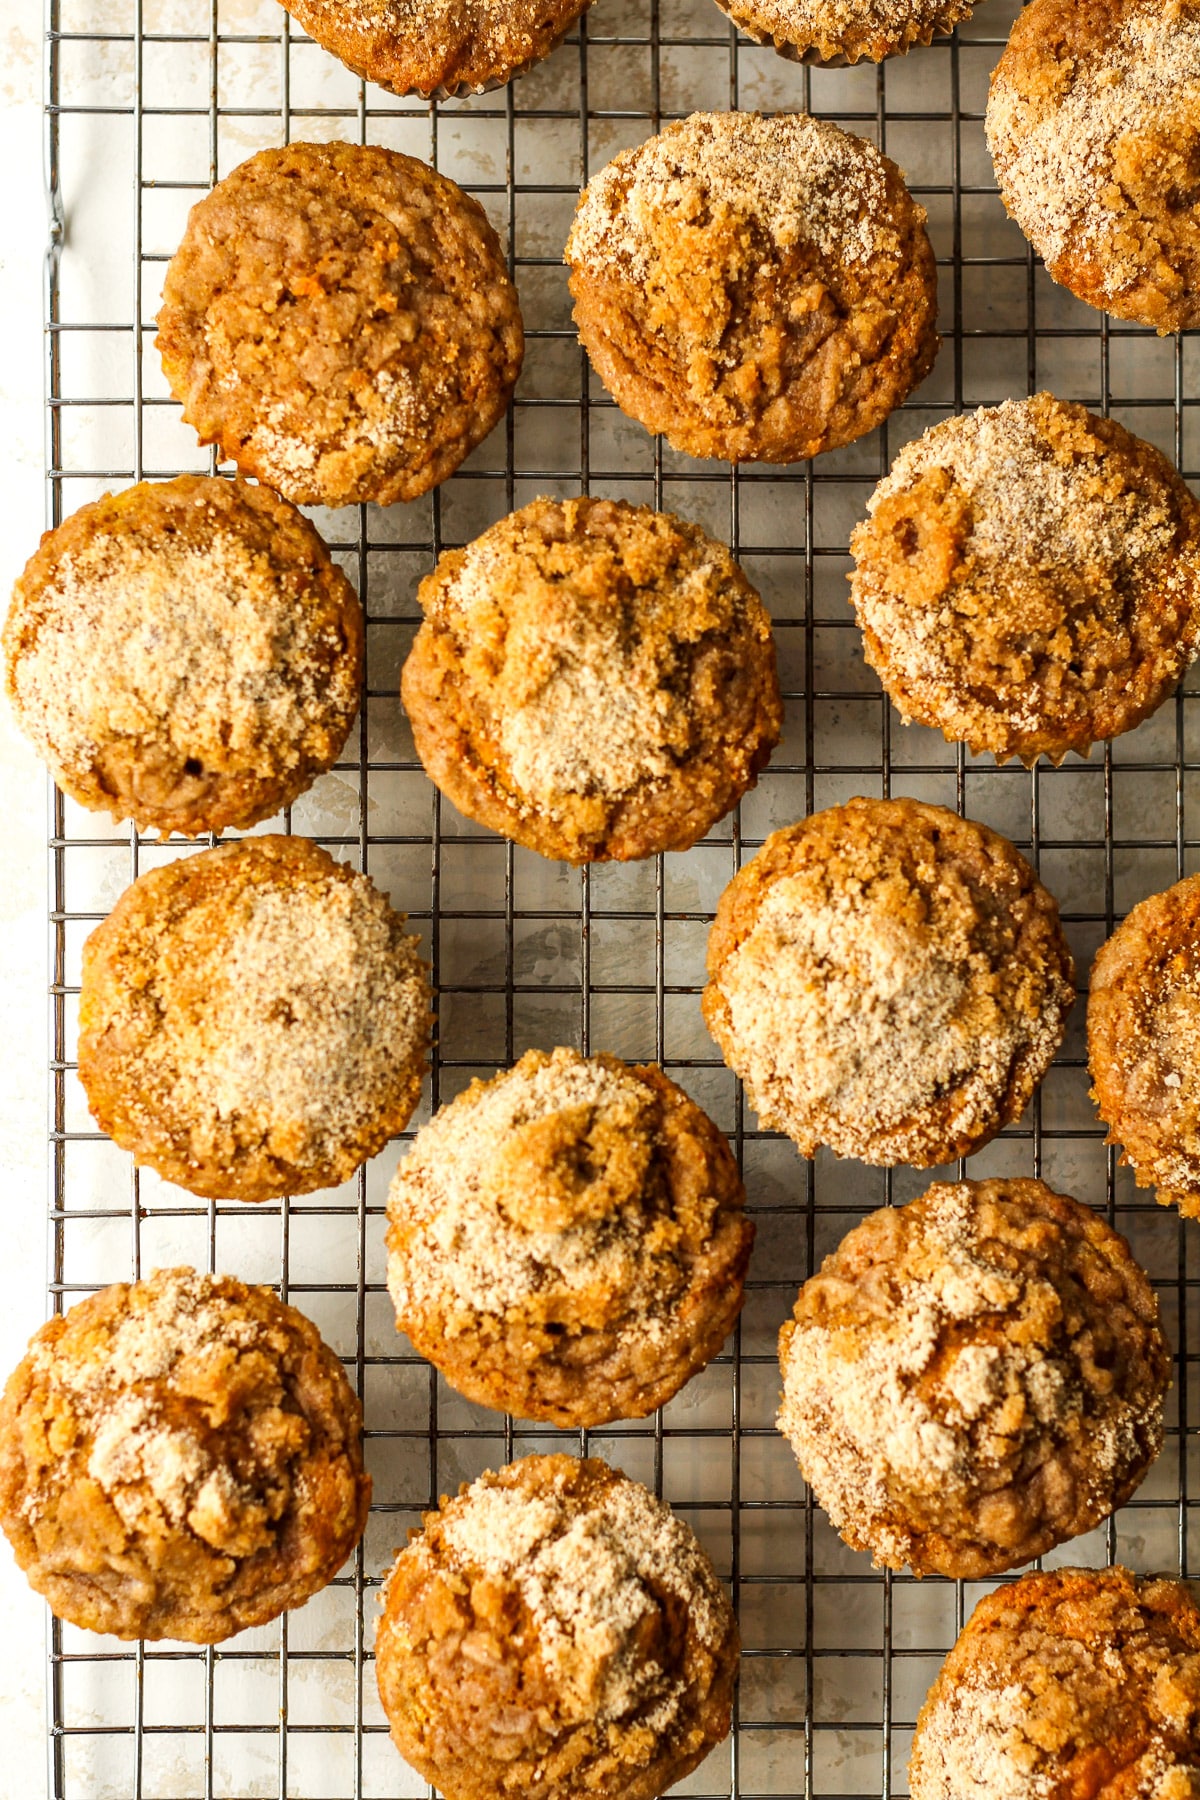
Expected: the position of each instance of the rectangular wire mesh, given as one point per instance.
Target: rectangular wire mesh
(150, 102)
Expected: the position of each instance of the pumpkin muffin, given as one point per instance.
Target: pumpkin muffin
(755, 288)
(1144, 1043)
(568, 1241)
(1028, 579)
(889, 980)
(1094, 126)
(556, 1630)
(253, 1020)
(185, 654)
(437, 48)
(974, 1378)
(593, 679)
(180, 1458)
(340, 321)
(1082, 1683)
(831, 33)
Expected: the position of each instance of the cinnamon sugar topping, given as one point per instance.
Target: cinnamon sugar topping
(1093, 122)
(788, 179)
(479, 1240)
(253, 1019)
(208, 643)
(588, 1575)
(146, 1454)
(974, 1377)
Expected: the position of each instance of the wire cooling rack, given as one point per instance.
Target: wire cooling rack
(150, 101)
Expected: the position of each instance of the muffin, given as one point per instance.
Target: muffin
(889, 980)
(185, 654)
(1084, 1682)
(340, 321)
(180, 1458)
(1143, 1025)
(974, 1378)
(568, 1241)
(593, 679)
(555, 1629)
(1028, 579)
(438, 47)
(758, 289)
(253, 1020)
(1094, 127)
(834, 32)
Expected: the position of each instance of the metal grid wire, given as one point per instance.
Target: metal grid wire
(149, 102)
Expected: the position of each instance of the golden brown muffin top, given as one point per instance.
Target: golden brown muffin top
(568, 1585)
(557, 1235)
(179, 1457)
(753, 267)
(253, 1019)
(184, 653)
(849, 30)
(974, 1378)
(1144, 1042)
(1083, 1684)
(888, 979)
(437, 46)
(340, 320)
(1094, 126)
(593, 678)
(1028, 578)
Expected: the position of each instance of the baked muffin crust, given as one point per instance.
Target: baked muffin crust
(1084, 1682)
(1093, 122)
(253, 1020)
(339, 319)
(890, 980)
(437, 47)
(180, 1458)
(1144, 1042)
(974, 1378)
(1028, 579)
(846, 31)
(593, 679)
(568, 1241)
(185, 654)
(755, 288)
(555, 1628)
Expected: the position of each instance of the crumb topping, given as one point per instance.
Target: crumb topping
(787, 179)
(896, 963)
(568, 1241)
(594, 679)
(184, 653)
(131, 1395)
(1029, 578)
(1081, 1675)
(270, 1041)
(757, 288)
(588, 1574)
(983, 1367)
(582, 629)
(261, 1002)
(180, 1458)
(1081, 138)
(542, 1178)
(211, 645)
